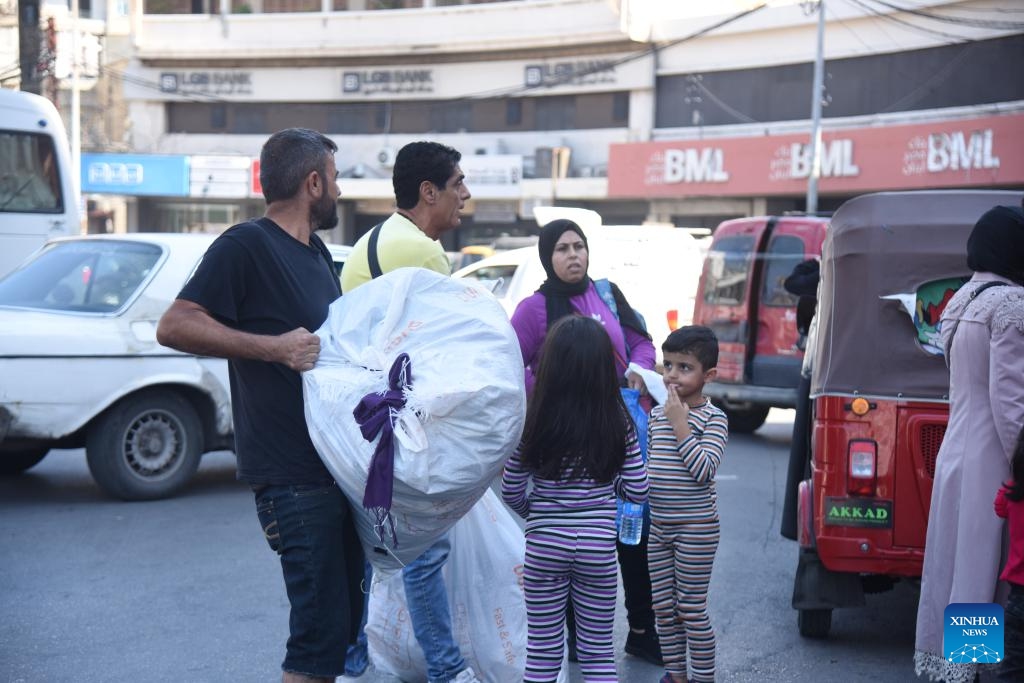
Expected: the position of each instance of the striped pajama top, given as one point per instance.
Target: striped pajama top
(573, 502)
(682, 474)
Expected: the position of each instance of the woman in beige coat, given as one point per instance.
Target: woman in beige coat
(983, 332)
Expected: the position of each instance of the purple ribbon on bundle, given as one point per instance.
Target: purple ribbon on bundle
(376, 414)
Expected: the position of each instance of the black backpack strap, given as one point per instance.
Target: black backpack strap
(979, 290)
(956, 323)
(371, 252)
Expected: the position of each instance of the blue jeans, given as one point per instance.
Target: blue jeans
(357, 658)
(306, 526)
(427, 599)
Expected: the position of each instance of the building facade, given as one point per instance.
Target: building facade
(639, 109)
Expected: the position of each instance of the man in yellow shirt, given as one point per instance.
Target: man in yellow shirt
(430, 191)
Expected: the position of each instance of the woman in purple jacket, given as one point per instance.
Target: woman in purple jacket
(569, 291)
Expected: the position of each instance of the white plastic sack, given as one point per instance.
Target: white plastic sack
(484, 579)
(464, 411)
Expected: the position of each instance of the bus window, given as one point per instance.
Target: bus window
(28, 174)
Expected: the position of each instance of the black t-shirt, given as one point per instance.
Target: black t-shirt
(257, 278)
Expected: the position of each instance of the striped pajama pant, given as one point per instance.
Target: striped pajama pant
(564, 563)
(680, 558)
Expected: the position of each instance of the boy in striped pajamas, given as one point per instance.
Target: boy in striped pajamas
(580, 450)
(686, 439)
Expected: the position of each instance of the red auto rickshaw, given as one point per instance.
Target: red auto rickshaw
(879, 393)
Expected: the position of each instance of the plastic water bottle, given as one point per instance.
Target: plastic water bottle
(631, 522)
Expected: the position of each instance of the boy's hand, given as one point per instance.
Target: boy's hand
(678, 414)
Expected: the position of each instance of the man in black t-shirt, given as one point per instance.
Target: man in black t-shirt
(257, 295)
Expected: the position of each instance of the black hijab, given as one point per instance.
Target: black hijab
(557, 292)
(996, 244)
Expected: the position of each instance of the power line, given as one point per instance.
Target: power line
(728, 109)
(960, 21)
(936, 78)
(604, 66)
(198, 97)
(906, 24)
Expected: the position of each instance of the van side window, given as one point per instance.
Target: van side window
(28, 174)
(728, 264)
(783, 254)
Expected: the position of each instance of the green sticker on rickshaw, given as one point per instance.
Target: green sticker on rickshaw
(932, 298)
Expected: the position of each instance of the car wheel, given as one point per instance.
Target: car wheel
(145, 446)
(814, 623)
(746, 420)
(16, 462)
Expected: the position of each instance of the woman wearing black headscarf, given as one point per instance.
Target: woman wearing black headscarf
(982, 332)
(568, 290)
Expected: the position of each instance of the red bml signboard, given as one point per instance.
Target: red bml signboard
(957, 153)
(255, 188)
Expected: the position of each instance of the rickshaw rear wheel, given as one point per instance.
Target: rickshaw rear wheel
(814, 623)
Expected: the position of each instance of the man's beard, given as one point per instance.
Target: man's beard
(324, 216)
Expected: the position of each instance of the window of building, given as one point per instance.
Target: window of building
(408, 117)
(218, 116)
(514, 112)
(555, 113)
(620, 107)
(249, 120)
(450, 117)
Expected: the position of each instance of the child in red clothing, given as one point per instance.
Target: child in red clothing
(1010, 506)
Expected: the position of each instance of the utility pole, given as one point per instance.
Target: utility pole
(29, 42)
(76, 101)
(817, 95)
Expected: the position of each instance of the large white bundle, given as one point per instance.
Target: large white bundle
(485, 599)
(463, 412)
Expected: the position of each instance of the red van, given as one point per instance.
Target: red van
(740, 296)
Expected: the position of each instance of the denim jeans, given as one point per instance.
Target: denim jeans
(305, 526)
(427, 599)
(357, 658)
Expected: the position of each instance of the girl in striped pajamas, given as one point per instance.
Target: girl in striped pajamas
(580, 451)
(686, 439)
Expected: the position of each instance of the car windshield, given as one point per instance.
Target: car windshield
(87, 276)
(498, 278)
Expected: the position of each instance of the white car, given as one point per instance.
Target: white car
(656, 267)
(81, 365)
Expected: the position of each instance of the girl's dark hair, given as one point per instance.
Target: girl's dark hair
(576, 422)
(1017, 470)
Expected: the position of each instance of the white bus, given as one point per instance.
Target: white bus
(37, 193)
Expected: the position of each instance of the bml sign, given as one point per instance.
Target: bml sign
(954, 151)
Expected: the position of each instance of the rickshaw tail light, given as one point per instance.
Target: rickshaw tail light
(672, 318)
(862, 459)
